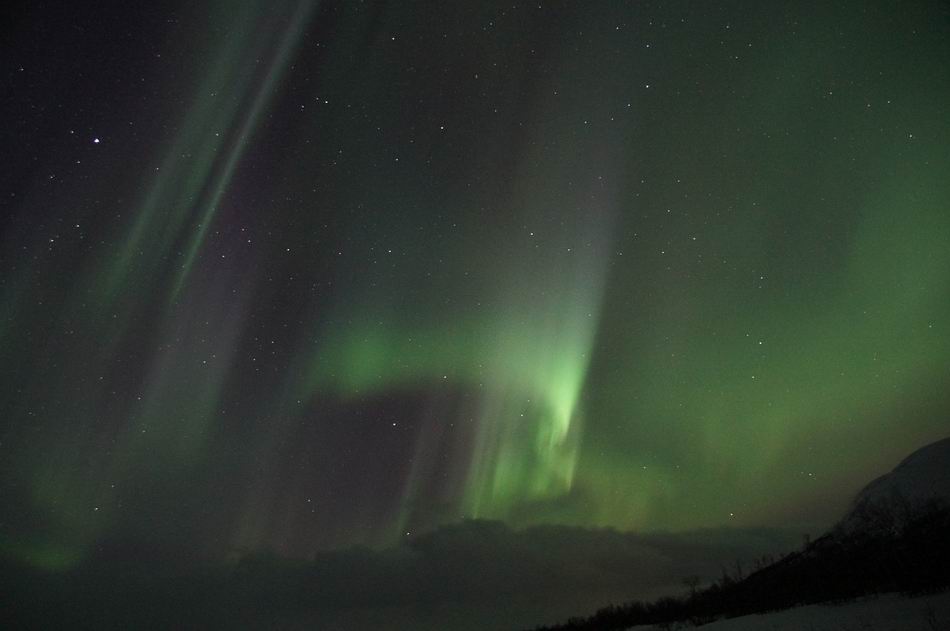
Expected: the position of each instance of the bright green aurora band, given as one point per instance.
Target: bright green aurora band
(338, 301)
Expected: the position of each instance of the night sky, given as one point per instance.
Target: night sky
(299, 275)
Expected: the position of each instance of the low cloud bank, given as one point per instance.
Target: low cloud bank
(470, 575)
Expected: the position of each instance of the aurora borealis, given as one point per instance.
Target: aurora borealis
(301, 275)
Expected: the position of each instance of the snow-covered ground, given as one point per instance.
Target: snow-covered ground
(890, 612)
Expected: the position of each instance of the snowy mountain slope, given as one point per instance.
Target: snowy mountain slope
(922, 476)
(890, 612)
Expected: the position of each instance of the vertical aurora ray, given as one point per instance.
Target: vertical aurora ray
(530, 416)
(164, 214)
(286, 47)
(518, 357)
(221, 121)
(166, 428)
(524, 369)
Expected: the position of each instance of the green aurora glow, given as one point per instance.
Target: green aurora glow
(541, 277)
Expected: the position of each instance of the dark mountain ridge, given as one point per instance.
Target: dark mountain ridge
(894, 538)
